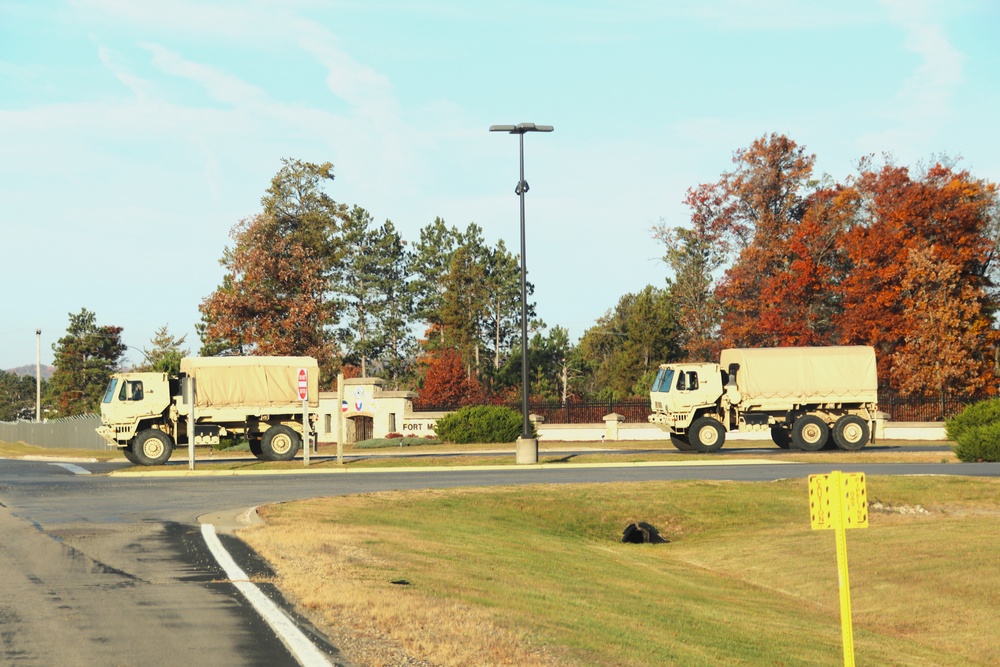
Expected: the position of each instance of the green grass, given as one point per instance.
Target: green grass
(743, 581)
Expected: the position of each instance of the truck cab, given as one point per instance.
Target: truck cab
(130, 400)
(681, 391)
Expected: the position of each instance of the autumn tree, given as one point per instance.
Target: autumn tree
(758, 208)
(941, 221)
(446, 382)
(85, 358)
(275, 298)
(944, 329)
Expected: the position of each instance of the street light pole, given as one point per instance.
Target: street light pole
(38, 375)
(527, 445)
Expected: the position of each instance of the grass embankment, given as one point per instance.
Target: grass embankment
(537, 575)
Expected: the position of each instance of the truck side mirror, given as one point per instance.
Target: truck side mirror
(733, 368)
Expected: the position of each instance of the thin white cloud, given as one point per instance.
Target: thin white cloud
(922, 104)
(218, 84)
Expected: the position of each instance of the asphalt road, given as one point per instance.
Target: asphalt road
(114, 570)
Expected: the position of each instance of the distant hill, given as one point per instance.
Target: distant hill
(47, 371)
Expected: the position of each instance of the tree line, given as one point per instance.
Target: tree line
(773, 255)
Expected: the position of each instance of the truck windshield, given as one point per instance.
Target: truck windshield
(110, 392)
(664, 380)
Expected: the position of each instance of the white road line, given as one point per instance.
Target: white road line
(288, 632)
(76, 470)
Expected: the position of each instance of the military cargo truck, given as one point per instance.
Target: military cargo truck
(146, 415)
(805, 396)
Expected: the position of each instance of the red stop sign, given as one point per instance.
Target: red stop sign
(303, 384)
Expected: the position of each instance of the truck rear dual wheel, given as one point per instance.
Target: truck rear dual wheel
(707, 435)
(781, 437)
(851, 433)
(279, 443)
(152, 447)
(810, 433)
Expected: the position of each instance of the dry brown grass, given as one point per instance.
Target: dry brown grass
(378, 623)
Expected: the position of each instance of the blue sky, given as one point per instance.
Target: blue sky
(134, 135)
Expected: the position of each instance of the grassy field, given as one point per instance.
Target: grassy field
(538, 575)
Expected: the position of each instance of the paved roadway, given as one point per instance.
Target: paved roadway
(113, 570)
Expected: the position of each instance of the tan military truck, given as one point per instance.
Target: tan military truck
(146, 414)
(804, 395)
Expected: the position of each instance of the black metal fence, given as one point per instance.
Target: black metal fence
(636, 410)
(925, 408)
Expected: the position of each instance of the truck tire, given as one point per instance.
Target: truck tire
(279, 443)
(254, 444)
(152, 447)
(781, 437)
(810, 433)
(851, 433)
(681, 442)
(707, 435)
(129, 455)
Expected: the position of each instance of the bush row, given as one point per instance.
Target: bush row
(976, 432)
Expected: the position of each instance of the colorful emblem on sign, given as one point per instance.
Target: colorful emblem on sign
(343, 406)
(357, 406)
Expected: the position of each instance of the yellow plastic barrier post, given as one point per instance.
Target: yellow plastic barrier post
(839, 501)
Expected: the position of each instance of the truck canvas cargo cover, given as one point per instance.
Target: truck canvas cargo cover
(816, 374)
(265, 382)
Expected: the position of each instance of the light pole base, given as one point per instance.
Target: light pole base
(527, 451)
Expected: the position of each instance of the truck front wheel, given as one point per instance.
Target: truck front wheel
(152, 447)
(810, 433)
(681, 442)
(707, 435)
(280, 443)
(781, 437)
(850, 432)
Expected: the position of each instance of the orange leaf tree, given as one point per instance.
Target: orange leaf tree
(919, 247)
(276, 294)
(446, 382)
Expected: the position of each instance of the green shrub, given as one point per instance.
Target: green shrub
(979, 443)
(481, 423)
(978, 414)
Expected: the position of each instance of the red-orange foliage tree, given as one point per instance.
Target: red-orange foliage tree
(446, 382)
(277, 294)
(272, 301)
(922, 246)
(777, 291)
